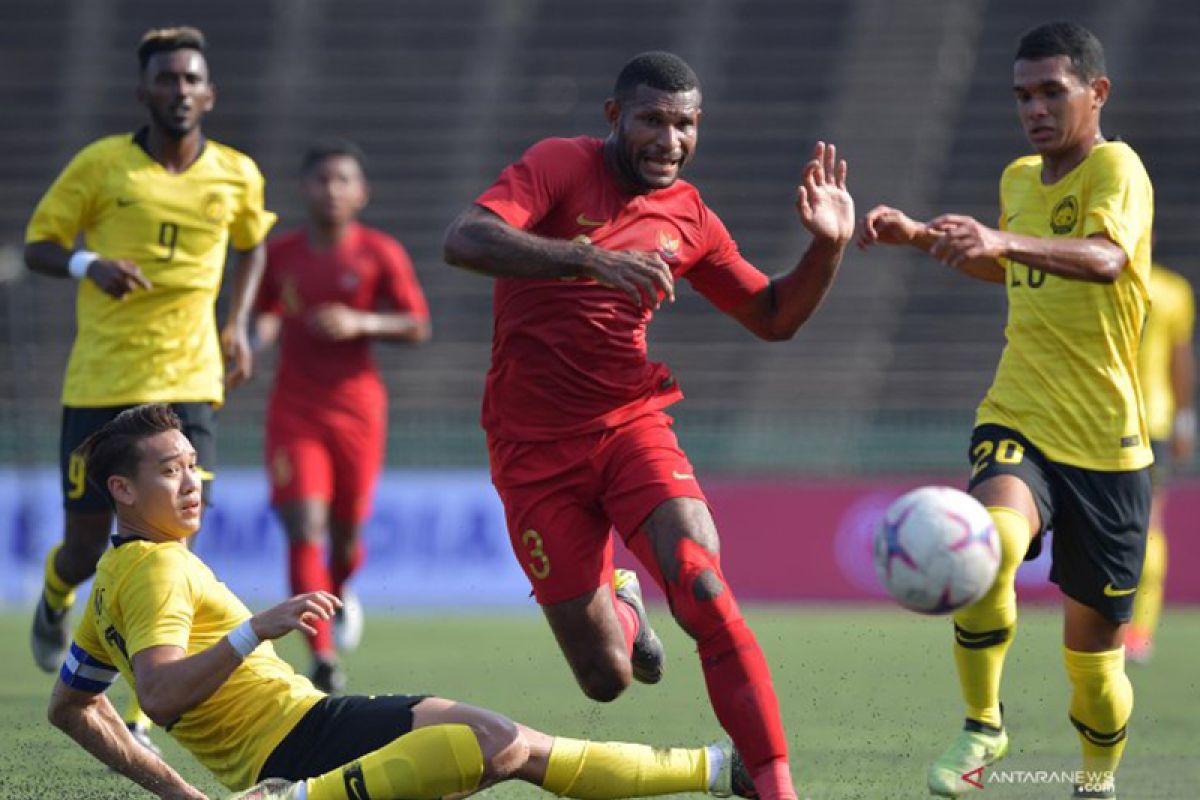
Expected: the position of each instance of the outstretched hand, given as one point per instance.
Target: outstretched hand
(295, 614)
(825, 206)
(887, 225)
(964, 239)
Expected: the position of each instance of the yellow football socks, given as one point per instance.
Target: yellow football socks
(425, 764)
(59, 594)
(984, 631)
(1101, 702)
(134, 715)
(604, 770)
(1148, 604)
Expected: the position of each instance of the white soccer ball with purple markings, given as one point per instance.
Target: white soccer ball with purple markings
(936, 550)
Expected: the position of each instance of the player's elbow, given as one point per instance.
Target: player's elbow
(63, 710)
(775, 330)
(160, 712)
(159, 715)
(472, 238)
(35, 256)
(458, 248)
(58, 713)
(773, 335)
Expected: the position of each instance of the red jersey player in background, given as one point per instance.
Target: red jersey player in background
(330, 287)
(585, 238)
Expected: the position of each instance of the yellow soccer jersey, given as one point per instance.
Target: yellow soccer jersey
(159, 345)
(1172, 316)
(1067, 379)
(147, 594)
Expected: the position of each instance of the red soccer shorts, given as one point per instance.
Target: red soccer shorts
(332, 456)
(562, 498)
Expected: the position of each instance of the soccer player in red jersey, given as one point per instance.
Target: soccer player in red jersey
(330, 287)
(585, 238)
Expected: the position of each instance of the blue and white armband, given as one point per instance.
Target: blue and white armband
(81, 671)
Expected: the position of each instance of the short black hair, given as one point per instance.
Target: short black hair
(164, 40)
(328, 148)
(1065, 39)
(115, 450)
(657, 69)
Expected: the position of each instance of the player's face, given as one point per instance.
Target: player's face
(176, 91)
(1059, 110)
(654, 133)
(335, 190)
(163, 499)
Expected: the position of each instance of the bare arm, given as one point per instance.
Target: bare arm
(235, 335)
(400, 326)
(337, 322)
(1183, 387)
(170, 683)
(480, 241)
(827, 210)
(887, 225)
(1096, 259)
(116, 278)
(95, 725)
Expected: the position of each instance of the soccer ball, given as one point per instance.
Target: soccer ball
(936, 550)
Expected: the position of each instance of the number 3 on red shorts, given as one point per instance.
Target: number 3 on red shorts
(539, 562)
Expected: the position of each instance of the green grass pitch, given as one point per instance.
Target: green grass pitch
(869, 697)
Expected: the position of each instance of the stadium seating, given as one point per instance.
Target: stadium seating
(443, 93)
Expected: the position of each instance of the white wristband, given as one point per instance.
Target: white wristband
(243, 639)
(77, 267)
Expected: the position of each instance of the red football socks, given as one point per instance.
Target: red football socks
(306, 568)
(629, 622)
(340, 571)
(735, 670)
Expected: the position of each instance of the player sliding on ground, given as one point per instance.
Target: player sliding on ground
(1061, 439)
(585, 238)
(202, 668)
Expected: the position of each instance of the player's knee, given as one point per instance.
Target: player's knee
(502, 746)
(606, 681)
(696, 606)
(701, 600)
(604, 688)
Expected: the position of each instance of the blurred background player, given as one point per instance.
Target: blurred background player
(157, 209)
(203, 668)
(1060, 439)
(331, 287)
(585, 238)
(1166, 369)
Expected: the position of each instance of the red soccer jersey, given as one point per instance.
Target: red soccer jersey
(569, 356)
(367, 270)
